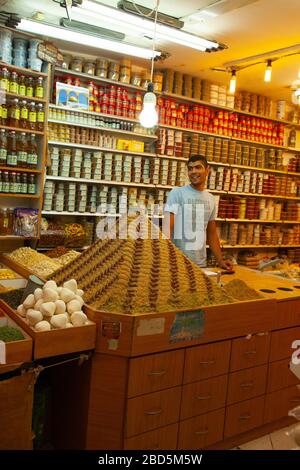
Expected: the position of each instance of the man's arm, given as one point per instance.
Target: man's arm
(168, 224)
(214, 244)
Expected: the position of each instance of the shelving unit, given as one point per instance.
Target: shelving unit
(103, 149)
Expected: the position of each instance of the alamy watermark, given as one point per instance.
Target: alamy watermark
(296, 354)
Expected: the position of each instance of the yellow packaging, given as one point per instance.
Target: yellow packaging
(136, 146)
(123, 144)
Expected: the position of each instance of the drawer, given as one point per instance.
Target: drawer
(247, 383)
(203, 362)
(200, 397)
(202, 431)
(249, 352)
(244, 416)
(280, 376)
(288, 313)
(279, 403)
(281, 342)
(152, 411)
(160, 439)
(155, 372)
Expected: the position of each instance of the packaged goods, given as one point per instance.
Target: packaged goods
(26, 222)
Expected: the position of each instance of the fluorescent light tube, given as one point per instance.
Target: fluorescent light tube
(57, 32)
(146, 26)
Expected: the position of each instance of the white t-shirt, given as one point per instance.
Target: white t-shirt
(193, 210)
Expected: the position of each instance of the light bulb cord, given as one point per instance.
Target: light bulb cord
(154, 40)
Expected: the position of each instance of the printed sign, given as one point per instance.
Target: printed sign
(72, 97)
(187, 326)
(155, 326)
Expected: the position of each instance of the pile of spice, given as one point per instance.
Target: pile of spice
(239, 290)
(10, 333)
(36, 262)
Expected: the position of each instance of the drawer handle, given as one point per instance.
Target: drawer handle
(207, 397)
(154, 412)
(201, 433)
(158, 373)
(247, 385)
(294, 400)
(250, 353)
(244, 417)
(207, 362)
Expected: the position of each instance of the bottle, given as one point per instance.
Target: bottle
(12, 149)
(32, 116)
(22, 151)
(5, 182)
(31, 184)
(14, 114)
(4, 114)
(24, 183)
(13, 183)
(1, 181)
(24, 123)
(32, 152)
(4, 79)
(13, 83)
(22, 85)
(18, 179)
(40, 117)
(292, 138)
(39, 89)
(4, 227)
(29, 87)
(3, 147)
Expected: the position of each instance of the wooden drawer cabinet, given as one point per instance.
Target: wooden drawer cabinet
(203, 362)
(249, 352)
(288, 313)
(246, 384)
(244, 416)
(200, 397)
(202, 431)
(155, 372)
(152, 411)
(160, 439)
(281, 342)
(280, 376)
(279, 403)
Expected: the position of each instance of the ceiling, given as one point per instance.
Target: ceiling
(247, 27)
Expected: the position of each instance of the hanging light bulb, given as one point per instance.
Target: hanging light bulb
(232, 84)
(149, 116)
(268, 72)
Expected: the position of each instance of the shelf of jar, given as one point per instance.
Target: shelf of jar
(27, 196)
(258, 246)
(226, 108)
(16, 237)
(23, 71)
(48, 248)
(19, 129)
(106, 129)
(26, 98)
(270, 196)
(255, 168)
(211, 134)
(68, 179)
(80, 214)
(103, 149)
(94, 78)
(19, 169)
(259, 221)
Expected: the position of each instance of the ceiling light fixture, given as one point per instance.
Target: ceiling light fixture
(90, 40)
(268, 72)
(149, 117)
(145, 26)
(232, 84)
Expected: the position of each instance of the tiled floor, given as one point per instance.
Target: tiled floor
(278, 440)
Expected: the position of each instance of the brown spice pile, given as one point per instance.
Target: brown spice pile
(239, 290)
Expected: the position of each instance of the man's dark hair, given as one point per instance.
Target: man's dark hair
(196, 158)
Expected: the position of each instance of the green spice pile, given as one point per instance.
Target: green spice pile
(9, 333)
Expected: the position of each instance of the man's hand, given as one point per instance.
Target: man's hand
(226, 264)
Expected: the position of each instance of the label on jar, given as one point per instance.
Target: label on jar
(13, 87)
(29, 91)
(5, 187)
(39, 92)
(3, 155)
(4, 113)
(24, 113)
(15, 113)
(4, 84)
(22, 157)
(1, 187)
(31, 188)
(22, 90)
(19, 188)
(40, 116)
(32, 116)
(12, 159)
(23, 188)
(5, 222)
(32, 158)
(12, 187)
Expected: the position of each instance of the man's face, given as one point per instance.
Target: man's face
(197, 173)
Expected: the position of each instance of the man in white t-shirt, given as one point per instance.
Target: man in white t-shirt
(191, 212)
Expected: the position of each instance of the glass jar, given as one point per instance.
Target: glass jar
(14, 83)
(14, 113)
(3, 147)
(40, 117)
(24, 183)
(39, 88)
(6, 221)
(32, 116)
(29, 87)
(66, 61)
(4, 114)
(12, 157)
(24, 115)
(4, 79)
(13, 183)
(136, 79)
(22, 151)
(89, 67)
(5, 182)
(76, 65)
(32, 152)
(125, 71)
(31, 184)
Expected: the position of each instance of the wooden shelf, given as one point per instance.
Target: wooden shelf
(19, 169)
(19, 129)
(23, 71)
(80, 214)
(254, 168)
(258, 246)
(226, 108)
(103, 149)
(259, 221)
(27, 196)
(26, 98)
(16, 237)
(269, 196)
(93, 113)
(66, 179)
